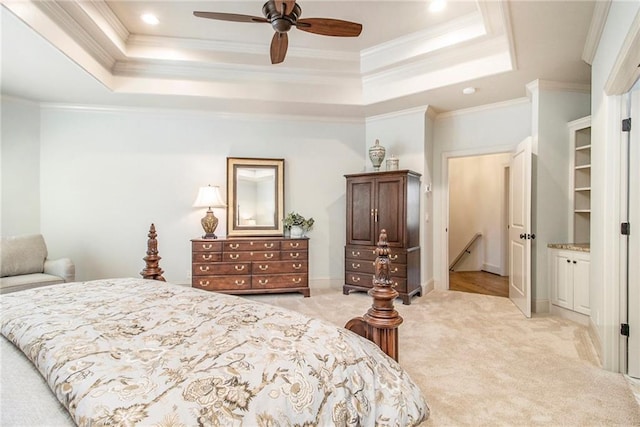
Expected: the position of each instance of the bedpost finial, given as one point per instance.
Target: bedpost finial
(152, 260)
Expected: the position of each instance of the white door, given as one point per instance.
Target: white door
(520, 233)
(633, 300)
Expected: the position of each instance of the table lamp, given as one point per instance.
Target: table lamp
(209, 197)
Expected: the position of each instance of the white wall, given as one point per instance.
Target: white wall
(476, 203)
(550, 187)
(491, 129)
(405, 135)
(20, 160)
(106, 175)
(605, 184)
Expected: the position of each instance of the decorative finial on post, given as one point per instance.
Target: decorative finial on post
(380, 323)
(152, 270)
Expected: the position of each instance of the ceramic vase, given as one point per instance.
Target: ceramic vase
(296, 232)
(376, 154)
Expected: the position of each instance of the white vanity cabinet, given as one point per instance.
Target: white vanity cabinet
(569, 279)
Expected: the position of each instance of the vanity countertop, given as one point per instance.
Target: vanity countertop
(580, 247)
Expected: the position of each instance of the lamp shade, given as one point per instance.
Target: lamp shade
(209, 197)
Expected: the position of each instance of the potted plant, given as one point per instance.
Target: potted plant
(297, 224)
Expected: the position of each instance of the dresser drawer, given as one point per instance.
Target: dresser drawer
(221, 283)
(366, 280)
(251, 245)
(221, 268)
(208, 246)
(369, 253)
(205, 257)
(279, 267)
(278, 281)
(251, 256)
(290, 245)
(294, 255)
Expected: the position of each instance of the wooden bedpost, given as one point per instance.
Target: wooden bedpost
(152, 270)
(380, 323)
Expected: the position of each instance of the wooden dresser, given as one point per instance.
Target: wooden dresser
(251, 265)
(387, 201)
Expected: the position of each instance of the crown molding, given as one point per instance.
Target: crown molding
(423, 109)
(200, 112)
(598, 20)
(626, 68)
(548, 85)
(487, 107)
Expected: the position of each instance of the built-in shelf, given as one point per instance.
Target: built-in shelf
(580, 185)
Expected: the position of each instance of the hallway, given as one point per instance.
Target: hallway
(479, 282)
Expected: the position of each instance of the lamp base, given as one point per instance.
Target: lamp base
(209, 225)
(209, 236)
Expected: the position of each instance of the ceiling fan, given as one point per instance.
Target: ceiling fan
(284, 14)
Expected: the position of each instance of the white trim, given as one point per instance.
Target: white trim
(209, 113)
(493, 269)
(428, 287)
(625, 70)
(541, 306)
(481, 108)
(595, 337)
(598, 19)
(574, 316)
(550, 85)
(400, 113)
(11, 98)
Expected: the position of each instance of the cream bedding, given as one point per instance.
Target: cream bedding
(133, 351)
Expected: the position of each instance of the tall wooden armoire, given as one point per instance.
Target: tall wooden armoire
(390, 201)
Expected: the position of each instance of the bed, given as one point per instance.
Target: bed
(135, 351)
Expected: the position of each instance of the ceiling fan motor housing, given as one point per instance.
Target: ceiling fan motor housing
(281, 22)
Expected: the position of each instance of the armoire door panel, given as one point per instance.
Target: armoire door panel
(390, 210)
(361, 212)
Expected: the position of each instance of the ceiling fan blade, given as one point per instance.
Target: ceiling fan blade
(233, 17)
(288, 6)
(279, 45)
(329, 27)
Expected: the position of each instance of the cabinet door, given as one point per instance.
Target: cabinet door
(360, 211)
(562, 294)
(389, 209)
(581, 284)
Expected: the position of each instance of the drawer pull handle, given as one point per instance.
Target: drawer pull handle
(354, 253)
(239, 267)
(204, 283)
(355, 279)
(297, 266)
(296, 280)
(354, 265)
(207, 247)
(234, 245)
(296, 255)
(263, 267)
(294, 245)
(268, 245)
(268, 256)
(204, 268)
(234, 256)
(207, 257)
(393, 257)
(239, 282)
(374, 252)
(395, 270)
(263, 281)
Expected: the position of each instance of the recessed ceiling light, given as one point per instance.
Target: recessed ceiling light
(469, 90)
(437, 5)
(150, 19)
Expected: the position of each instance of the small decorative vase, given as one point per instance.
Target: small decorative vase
(392, 163)
(376, 154)
(296, 232)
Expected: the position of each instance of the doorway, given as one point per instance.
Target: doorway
(478, 234)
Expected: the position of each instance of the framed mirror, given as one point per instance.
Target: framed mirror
(255, 195)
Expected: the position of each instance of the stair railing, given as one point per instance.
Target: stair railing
(464, 251)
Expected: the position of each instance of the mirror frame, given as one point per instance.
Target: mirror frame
(235, 229)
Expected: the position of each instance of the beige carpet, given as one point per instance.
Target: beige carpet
(480, 362)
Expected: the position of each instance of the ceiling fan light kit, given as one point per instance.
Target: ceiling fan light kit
(284, 14)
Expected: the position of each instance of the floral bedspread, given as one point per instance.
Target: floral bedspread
(133, 351)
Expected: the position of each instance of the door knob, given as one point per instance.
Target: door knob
(523, 236)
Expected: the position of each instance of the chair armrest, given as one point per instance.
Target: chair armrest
(62, 267)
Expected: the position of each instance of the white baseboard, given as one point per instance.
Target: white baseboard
(571, 315)
(428, 287)
(494, 269)
(540, 306)
(595, 337)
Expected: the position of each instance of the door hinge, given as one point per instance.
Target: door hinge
(625, 229)
(626, 125)
(624, 329)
